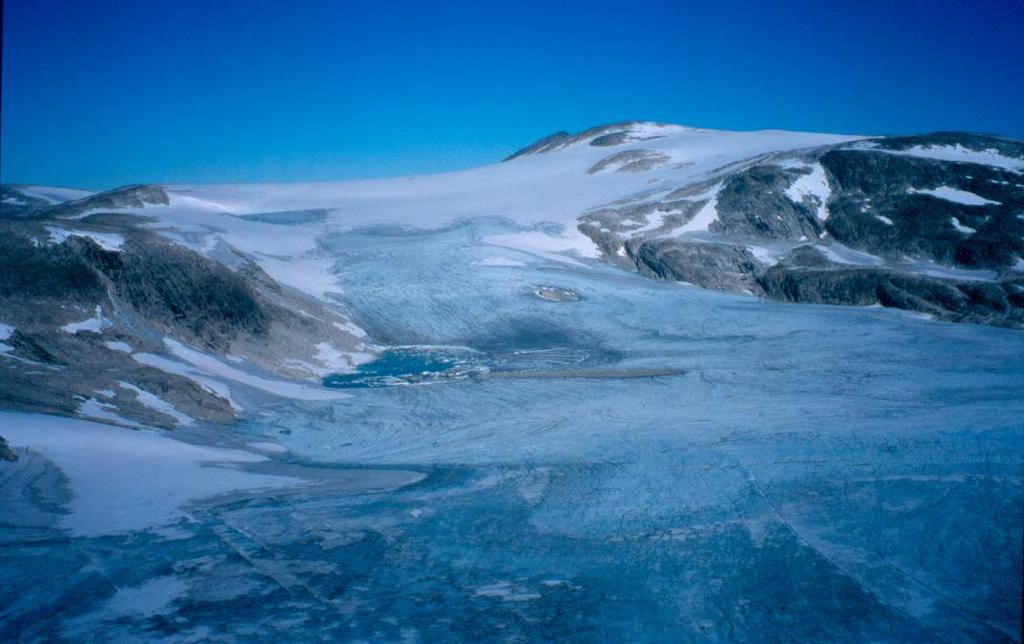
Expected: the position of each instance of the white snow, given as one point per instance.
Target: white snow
(990, 157)
(841, 254)
(98, 410)
(332, 360)
(654, 221)
(555, 247)
(211, 366)
(6, 331)
(531, 191)
(212, 385)
(117, 345)
(54, 194)
(157, 404)
(706, 216)
(815, 186)
(764, 255)
(351, 328)
(956, 196)
(95, 324)
(125, 480)
(960, 227)
(106, 241)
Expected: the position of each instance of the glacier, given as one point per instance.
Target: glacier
(810, 472)
(530, 443)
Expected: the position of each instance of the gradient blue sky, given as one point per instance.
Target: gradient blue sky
(102, 93)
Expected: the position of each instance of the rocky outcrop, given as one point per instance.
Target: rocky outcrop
(931, 223)
(546, 144)
(629, 161)
(753, 203)
(6, 453)
(134, 196)
(708, 265)
(91, 322)
(609, 135)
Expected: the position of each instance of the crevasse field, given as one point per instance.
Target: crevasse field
(788, 473)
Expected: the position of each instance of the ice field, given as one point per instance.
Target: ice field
(510, 470)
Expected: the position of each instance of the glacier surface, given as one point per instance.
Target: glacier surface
(772, 471)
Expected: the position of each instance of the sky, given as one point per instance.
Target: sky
(101, 93)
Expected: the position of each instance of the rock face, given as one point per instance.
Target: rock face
(931, 223)
(92, 308)
(6, 453)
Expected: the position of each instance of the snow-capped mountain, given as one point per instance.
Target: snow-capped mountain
(441, 407)
(933, 224)
(927, 223)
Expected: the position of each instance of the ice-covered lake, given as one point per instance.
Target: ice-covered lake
(646, 461)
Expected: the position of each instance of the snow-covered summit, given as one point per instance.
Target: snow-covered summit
(631, 193)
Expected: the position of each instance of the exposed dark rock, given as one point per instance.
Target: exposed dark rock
(753, 203)
(198, 298)
(548, 143)
(868, 184)
(29, 271)
(629, 161)
(909, 247)
(134, 196)
(149, 290)
(6, 453)
(977, 302)
(710, 265)
(969, 140)
(608, 140)
(602, 135)
(15, 203)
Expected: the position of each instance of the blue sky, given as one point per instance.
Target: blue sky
(102, 93)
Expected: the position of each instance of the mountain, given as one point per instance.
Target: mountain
(485, 405)
(126, 286)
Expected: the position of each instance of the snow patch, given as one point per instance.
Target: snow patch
(956, 196)
(211, 385)
(960, 227)
(123, 481)
(764, 255)
(558, 248)
(707, 215)
(98, 410)
(350, 328)
(157, 404)
(116, 345)
(209, 365)
(107, 241)
(841, 254)
(990, 157)
(94, 324)
(815, 187)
